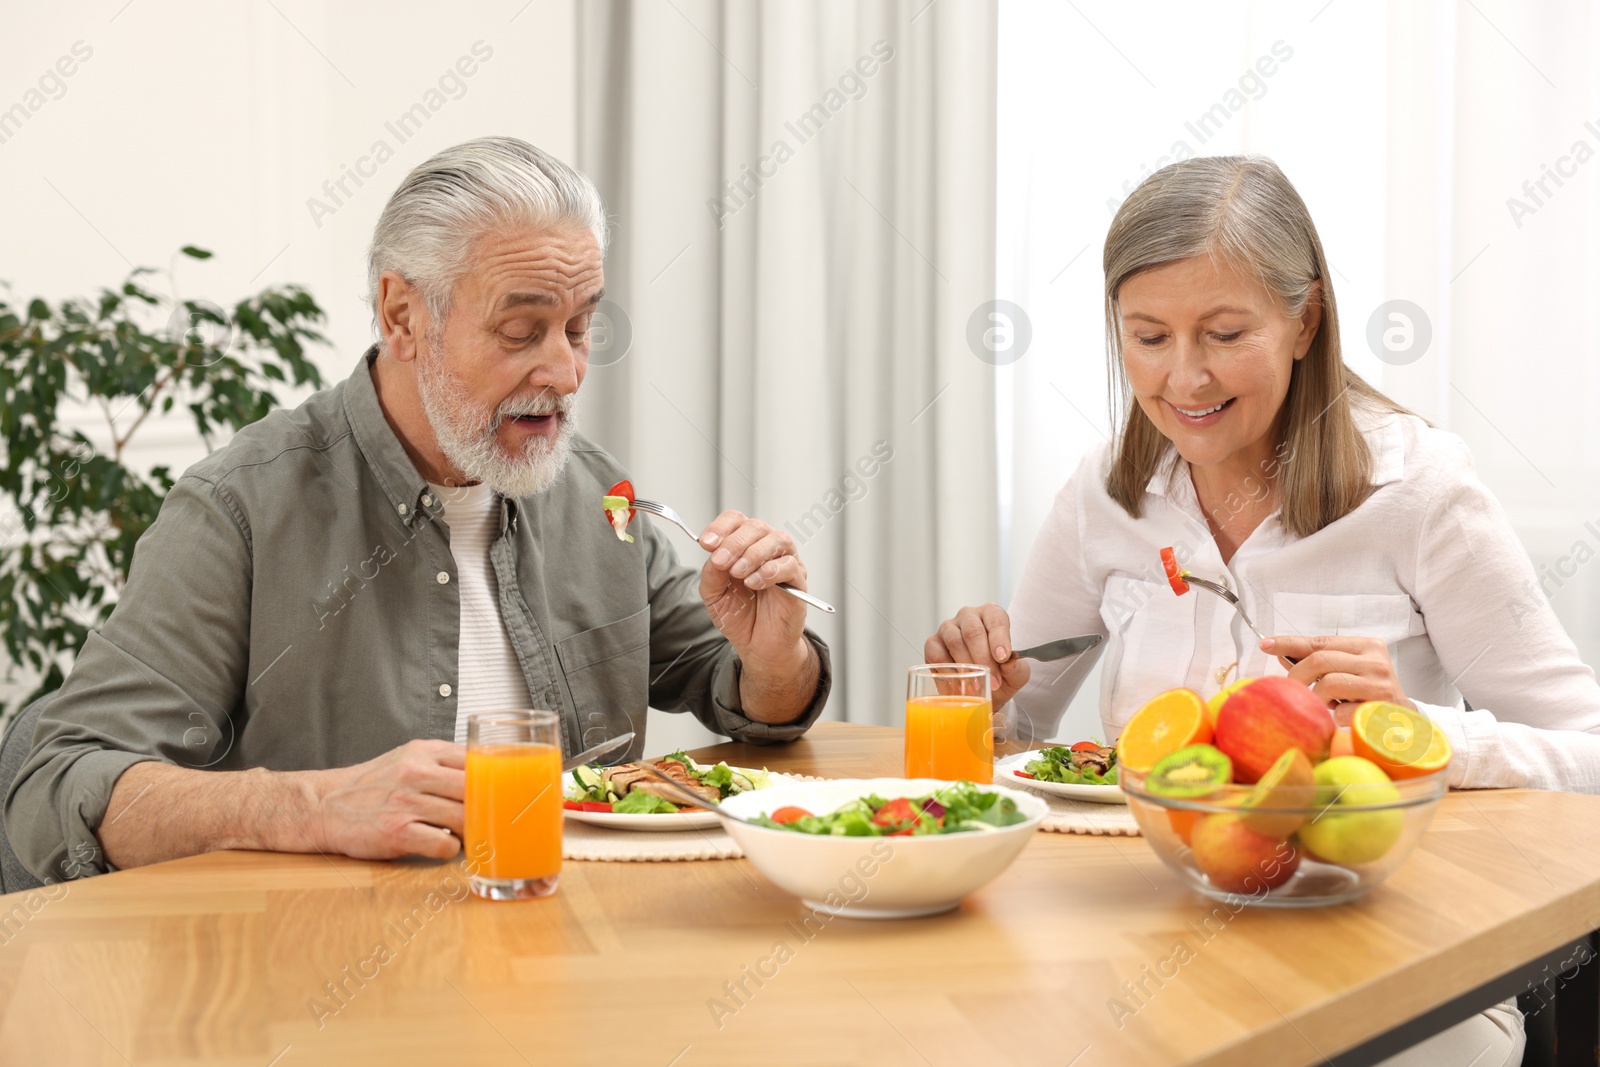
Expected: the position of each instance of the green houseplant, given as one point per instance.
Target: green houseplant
(70, 510)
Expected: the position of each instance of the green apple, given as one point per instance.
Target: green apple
(1358, 836)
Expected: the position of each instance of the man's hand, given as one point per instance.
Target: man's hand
(1344, 671)
(406, 802)
(748, 557)
(765, 626)
(982, 636)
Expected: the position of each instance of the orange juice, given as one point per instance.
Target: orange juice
(950, 737)
(514, 807)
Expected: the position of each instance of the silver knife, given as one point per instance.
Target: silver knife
(1067, 646)
(589, 755)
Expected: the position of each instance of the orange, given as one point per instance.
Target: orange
(1405, 743)
(1220, 698)
(1175, 719)
(1183, 819)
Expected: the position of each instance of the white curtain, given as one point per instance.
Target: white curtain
(1409, 129)
(803, 205)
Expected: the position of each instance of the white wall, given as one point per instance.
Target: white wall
(218, 125)
(215, 124)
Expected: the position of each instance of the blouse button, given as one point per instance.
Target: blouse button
(444, 690)
(401, 508)
(444, 577)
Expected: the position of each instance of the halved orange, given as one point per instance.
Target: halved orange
(1175, 719)
(1405, 743)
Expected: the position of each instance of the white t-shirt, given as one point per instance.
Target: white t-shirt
(1429, 563)
(488, 676)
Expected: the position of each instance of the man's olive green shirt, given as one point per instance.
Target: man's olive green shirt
(294, 606)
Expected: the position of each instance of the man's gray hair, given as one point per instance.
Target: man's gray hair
(430, 224)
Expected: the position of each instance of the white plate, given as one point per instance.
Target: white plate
(1004, 774)
(659, 823)
(683, 820)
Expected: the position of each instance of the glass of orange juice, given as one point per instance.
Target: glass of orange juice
(949, 723)
(513, 804)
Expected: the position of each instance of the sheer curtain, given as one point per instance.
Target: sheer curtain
(1409, 130)
(803, 204)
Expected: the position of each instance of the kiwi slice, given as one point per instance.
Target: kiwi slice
(1190, 772)
(1289, 783)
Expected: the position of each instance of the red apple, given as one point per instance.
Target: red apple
(1267, 718)
(1239, 860)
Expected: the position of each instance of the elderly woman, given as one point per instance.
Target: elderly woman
(1348, 527)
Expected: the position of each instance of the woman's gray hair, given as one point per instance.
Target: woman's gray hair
(1243, 212)
(429, 225)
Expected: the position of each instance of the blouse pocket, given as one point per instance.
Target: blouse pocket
(1151, 647)
(607, 671)
(1391, 617)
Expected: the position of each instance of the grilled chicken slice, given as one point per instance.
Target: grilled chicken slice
(1097, 760)
(626, 777)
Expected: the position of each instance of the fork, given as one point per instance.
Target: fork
(685, 796)
(661, 511)
(1227, 594)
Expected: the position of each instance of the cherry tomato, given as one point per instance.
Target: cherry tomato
(1085, 746)
(786, 815)
(1169, 562)
(596, 805)
(894, 813)
(623, 489)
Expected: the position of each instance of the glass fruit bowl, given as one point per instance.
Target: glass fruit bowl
(1289, 846)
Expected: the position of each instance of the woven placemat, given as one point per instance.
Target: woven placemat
(581, 841)
(1082, 816)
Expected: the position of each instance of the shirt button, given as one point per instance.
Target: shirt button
(444, 577)
(444, 690)
(427, 500)
(400, 508)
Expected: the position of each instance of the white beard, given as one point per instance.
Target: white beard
(466, 435)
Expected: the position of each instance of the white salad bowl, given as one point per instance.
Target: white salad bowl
(876, 877)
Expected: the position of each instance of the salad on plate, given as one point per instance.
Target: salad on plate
(629, 789)
(1085, 763)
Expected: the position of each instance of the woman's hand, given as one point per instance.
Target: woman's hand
(1344, 671)
(980, 635)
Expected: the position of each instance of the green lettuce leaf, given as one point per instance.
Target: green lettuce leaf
(639, 802)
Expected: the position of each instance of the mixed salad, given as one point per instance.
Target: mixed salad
(1085, 763)
(629, 789)
(954, 809)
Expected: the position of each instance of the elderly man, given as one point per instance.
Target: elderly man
(323, 601)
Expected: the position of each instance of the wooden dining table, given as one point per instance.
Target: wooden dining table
(1067, 958)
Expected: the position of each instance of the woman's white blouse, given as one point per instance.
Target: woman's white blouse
(1428, 563)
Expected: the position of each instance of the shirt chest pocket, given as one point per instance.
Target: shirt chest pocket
(1391, 617)
(607, 673)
